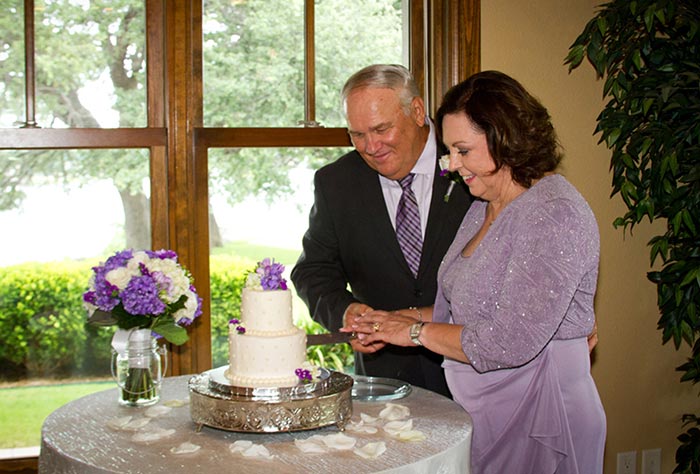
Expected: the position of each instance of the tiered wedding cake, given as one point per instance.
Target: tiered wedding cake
(265, 348)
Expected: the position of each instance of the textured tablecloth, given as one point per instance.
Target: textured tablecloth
(76, 438)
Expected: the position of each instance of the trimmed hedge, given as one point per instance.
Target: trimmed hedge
(44, 332)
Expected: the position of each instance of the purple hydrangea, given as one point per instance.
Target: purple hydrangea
(141, 296)
(106, 295)
(271, 275)
(162, 254)
(119, 259)
(198, 311)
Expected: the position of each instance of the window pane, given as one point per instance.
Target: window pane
(262, 212)
(254, 57)
(253, 63)
(90, 63)
(12, 109)
(349, 36)
(54, 230)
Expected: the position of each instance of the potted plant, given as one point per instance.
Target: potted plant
(648, 53)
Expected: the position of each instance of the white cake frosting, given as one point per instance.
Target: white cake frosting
(270, 350)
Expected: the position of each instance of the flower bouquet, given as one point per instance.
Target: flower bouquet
(143, 293)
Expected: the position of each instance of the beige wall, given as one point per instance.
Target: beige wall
(633, 370)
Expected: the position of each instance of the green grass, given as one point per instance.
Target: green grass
(257, 252)
(23, 409)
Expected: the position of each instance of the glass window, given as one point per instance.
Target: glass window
(90, 64)
(59, 221)
(257, 214)
(12, 106)
(254, 57)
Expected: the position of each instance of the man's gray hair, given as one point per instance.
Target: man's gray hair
(384, 76)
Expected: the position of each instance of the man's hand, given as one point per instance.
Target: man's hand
(593, 338)
(352, 313)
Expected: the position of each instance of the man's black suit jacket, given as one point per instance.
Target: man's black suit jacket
(350, 240)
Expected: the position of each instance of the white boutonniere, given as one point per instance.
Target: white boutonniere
(453, 176)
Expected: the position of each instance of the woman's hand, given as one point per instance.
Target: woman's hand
(384, 327)
(376, 327)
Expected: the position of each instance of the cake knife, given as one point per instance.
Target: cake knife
(329, 338)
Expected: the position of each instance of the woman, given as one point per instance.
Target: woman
(516, 288)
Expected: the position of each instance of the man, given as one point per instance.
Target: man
(352, 237)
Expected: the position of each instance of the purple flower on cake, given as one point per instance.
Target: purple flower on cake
(303, 374)
(239, 326)
(267, 276)
(143, 289)
(307, 372)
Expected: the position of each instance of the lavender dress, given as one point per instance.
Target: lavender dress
(525, 298)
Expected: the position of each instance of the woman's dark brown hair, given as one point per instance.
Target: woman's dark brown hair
(518, 128)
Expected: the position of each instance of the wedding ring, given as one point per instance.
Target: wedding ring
(376, 327)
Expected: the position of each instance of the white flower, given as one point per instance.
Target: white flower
(253, 281)
(120, 277)
(444, 162)
(190, 307)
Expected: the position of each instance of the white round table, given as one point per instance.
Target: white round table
(77, 438)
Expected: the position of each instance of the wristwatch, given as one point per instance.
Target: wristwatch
(414, 333)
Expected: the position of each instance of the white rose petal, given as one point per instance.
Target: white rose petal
(360, 427)
(313, 444)
(339, 441)
(371, 450)
(249, 449)
(257, 451)
(394, 412)
(175, 403)
(158, 410)
(395, 427)
(368, 419)
(137, 424)
(119, 422)
(152, 435)
(240, 445)
(410, 435)
(185, 448)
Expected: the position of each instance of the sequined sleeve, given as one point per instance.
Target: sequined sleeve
(532, 279)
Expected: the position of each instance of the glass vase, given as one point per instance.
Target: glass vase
(137, 369)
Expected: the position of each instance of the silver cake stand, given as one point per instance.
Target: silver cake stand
(216, 403)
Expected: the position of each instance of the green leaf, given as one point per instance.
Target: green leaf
(637, 59)
(575, 56)
(612, 137)
(690, 276)
(602, 24)
(649, 18)
(688, 220)
(166, 327)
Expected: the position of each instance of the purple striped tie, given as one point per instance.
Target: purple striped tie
(408, 231)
